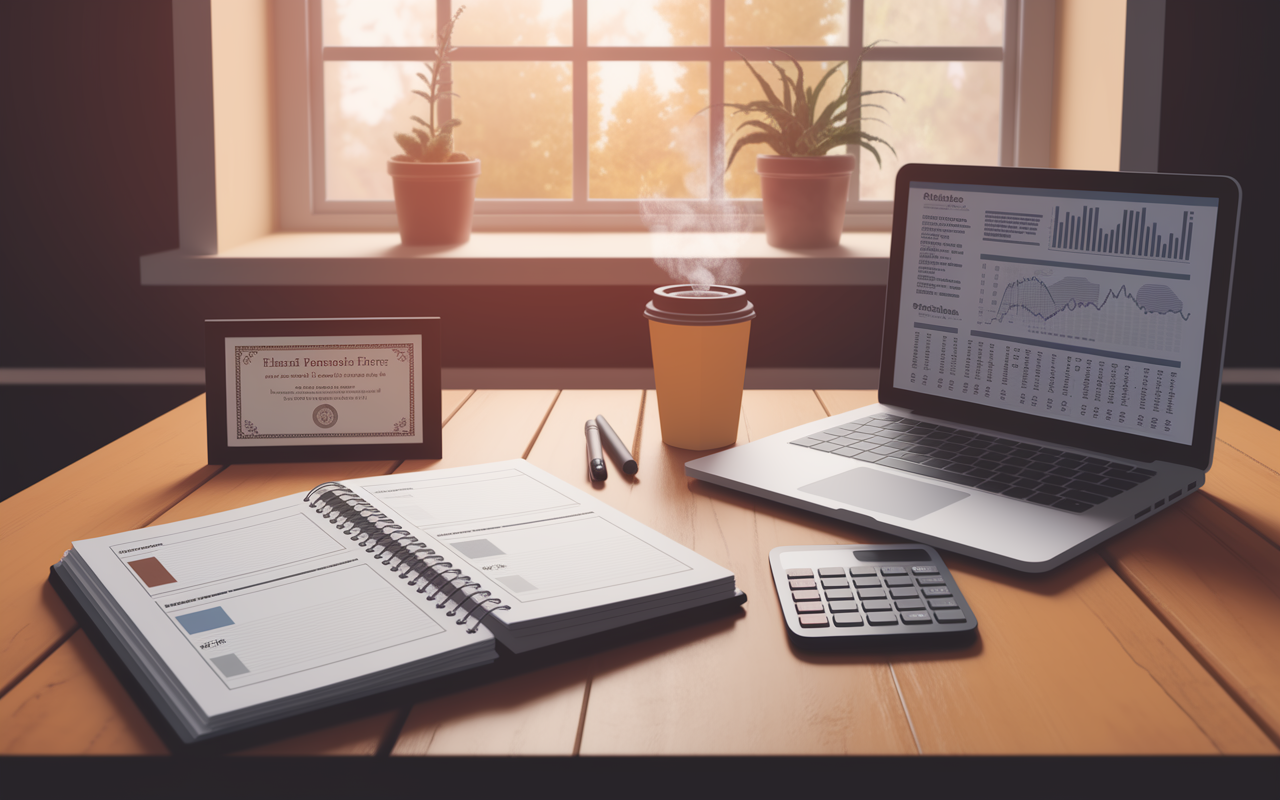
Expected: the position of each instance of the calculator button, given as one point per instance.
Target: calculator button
(935, 580)
(804, 572)
(831, 572)
(925, 570)
(893, 570)
(871, 594)
(808, 594)
(893, 582)
(877, 605)
(882, 618)
(910, 605)
(899, 594)
(866, 583)
(803, 583)
(813, 621)
(839, 594)
(952, 616)
(944, 602)
(916, 618)
(835, 583)
(847, 620)
(842, 606)
(862, 572)
(808, 608)
(936, 591)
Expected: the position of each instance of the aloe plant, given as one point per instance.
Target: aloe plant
(432, 143)
(796, 128)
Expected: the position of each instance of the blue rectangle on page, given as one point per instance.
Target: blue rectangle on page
(207, 620)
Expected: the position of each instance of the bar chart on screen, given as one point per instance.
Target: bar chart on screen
(1167, 235)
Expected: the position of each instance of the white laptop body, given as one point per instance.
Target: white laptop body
(1057, 332)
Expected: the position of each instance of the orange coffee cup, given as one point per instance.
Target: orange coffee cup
(698, 337)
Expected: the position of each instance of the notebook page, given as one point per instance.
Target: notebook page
(259, 603)
(544, 547)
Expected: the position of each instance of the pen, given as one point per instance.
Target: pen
(595, 458)
(616, 448)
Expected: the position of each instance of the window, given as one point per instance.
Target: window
(578, 109)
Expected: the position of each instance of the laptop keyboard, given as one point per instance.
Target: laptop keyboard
(1027, 472)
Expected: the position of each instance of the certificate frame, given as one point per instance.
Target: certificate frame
(418, 338)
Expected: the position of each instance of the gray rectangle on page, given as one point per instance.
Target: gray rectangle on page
(476, 548)
(517, 584)
(230, 665)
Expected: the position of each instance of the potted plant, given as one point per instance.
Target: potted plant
(804, 186)
(434, 184)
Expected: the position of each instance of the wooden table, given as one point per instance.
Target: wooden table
(1166, 640)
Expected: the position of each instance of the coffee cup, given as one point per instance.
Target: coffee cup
(698, 336)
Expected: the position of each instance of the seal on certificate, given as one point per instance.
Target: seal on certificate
(325, 416)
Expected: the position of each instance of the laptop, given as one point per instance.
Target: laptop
(1050, 371)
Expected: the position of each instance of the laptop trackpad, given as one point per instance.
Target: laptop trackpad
(885, 493)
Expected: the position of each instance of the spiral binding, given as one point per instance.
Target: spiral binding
(403, 553)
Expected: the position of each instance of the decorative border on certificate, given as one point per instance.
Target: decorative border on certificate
(325, 416)
(322, 389)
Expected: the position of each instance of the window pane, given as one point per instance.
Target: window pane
(786, 22)
(512, 23)
(517, 118)
(647, 137)
(365, 103)
(378, 23)
(972, 23)
(648, 23)
(951, 116)
(741, 87)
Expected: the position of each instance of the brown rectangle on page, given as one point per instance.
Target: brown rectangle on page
(152, 572)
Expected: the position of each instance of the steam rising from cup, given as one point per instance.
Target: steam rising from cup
(686, 232)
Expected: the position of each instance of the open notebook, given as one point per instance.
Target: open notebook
(256, 614)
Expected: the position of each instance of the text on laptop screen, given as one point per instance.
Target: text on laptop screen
(1081, 306)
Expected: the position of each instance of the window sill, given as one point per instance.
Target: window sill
(514, 259)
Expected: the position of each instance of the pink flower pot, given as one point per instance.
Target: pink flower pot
(804, 199)
(434, 201)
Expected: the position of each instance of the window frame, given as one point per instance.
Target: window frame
(299, 63)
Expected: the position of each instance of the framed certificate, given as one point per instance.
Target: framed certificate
(282, 390)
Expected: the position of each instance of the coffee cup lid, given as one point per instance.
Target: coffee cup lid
(686, 304)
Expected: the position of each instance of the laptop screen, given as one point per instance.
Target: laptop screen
(1083, 305)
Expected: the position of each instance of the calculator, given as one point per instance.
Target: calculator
(858, 594)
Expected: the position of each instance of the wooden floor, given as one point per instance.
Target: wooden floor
(1166, 640)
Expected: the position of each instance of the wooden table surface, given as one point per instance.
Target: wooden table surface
(1165, 640)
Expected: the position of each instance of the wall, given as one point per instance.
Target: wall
(245, 168)
(1088, 84)
(116, 105)
(1216, 117)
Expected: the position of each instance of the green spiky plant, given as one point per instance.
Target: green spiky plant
(795, 127)
(431, 143)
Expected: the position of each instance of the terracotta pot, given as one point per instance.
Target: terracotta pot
(804, 199)
(434, 201)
